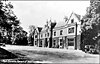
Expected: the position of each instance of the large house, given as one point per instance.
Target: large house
(67, 34)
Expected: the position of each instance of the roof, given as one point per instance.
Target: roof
(39, 29)
(61, 23)
(45, 28)
(78, 16)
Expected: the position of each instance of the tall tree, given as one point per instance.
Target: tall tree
(91, 24)
(8, 20)
(31, 34)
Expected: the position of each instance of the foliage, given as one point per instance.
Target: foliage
(20, 38)
(7, 16)
(91, 24)
(31, 34)
(10, 25)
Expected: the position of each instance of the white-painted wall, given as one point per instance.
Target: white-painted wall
(65, 28)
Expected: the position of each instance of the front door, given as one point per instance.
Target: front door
(71, 43)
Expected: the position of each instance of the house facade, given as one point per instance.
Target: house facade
(37, 36)
(43, 37)
(64, 34)
(67, 34)
(46, 34)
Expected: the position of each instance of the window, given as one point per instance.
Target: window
(61, 32)
(35, 42)
(71, 42)
(71, 30)
(35, 36)
(48, 34)
(71, 39)
(41, 35)
(54, 33)
(72, 20)
(61, 42)
(54, 42)
(45, 35)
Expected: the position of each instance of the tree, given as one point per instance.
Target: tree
(31, 29)
(10, 24)
(31, 34)
(21, 38)
(91, 24)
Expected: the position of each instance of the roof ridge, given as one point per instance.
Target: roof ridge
(69, 17)
(77, 15)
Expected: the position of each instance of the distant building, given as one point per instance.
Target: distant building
(67, 34)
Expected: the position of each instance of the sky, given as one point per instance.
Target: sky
(38, 12)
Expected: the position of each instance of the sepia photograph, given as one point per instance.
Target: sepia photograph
(49, 31)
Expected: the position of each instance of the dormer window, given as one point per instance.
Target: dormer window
(72, 20)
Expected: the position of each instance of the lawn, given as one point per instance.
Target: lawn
(55, 57)
(4, 54)
(36, 54)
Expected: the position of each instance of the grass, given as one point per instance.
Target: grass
(4, 54)
(45, 55)
(30, 55)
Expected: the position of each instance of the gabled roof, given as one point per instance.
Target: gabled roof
(63, 23)
(77, 16)
(43, 29)
(59, 24)
(38, 29)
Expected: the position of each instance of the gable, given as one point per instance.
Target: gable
(36, 31)
(39, 29)
(74, 18)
